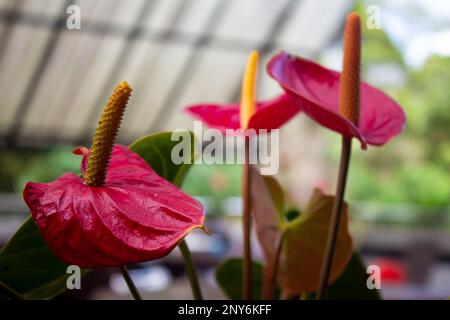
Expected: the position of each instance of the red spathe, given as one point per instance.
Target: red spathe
(316, 89)
(136, 216)
(269, 115)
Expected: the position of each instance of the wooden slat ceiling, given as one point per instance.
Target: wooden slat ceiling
(54, 81)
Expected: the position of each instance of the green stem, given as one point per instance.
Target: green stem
(246, 222)
(190, 270)
(130, 283)
(10, 292)
(270, 272)
(327, 262)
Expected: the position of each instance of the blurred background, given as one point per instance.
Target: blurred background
(54, 82)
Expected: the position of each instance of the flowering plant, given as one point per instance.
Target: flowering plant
(126, 206)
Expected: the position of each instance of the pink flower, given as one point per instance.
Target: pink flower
(271, 114)
(135, 216)
(316, 91)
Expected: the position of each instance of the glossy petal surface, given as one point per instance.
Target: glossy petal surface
(316, 90)
(269, 115)
(136, 216)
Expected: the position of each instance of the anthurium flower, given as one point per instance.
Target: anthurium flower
(269, 115)
(316, 90)
(119, 212)
(249, 114)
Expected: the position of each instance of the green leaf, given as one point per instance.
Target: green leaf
(266, 212)
(229, 278)
(351, 285)
(304, 235)
(276, 194)
(156, 150)
(28, 267)
(304, 246)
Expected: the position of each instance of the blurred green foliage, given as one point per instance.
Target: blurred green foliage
(413, 167)
(12, 163)
(19, 166)
(221, 180)
(215, 181)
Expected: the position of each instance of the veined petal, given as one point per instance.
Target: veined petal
(136, 216)
(53, 212)
(269, 115)
(317, 91)
(274, 113)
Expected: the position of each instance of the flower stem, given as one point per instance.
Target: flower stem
(190, 270)
(327, 262)
(270, 272)
(130, 283)
(246, 199)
